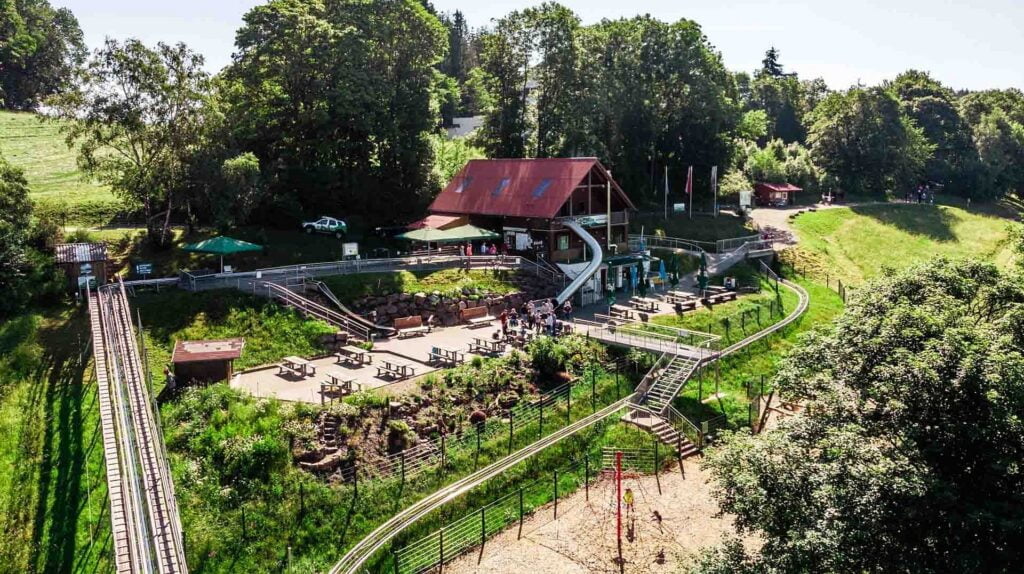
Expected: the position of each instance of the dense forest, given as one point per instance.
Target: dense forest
(340, 105)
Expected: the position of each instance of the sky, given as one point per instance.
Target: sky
(965, 44)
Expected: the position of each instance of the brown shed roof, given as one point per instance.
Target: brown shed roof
(517, 187)
(214, 350)
(80, 252)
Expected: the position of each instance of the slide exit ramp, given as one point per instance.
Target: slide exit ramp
(590, 269)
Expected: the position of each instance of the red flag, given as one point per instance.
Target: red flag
(689, 181)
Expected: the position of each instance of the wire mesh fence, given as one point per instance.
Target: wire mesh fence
(473, 529)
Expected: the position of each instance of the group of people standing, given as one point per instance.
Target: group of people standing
(923, 194)
(537, 317)
(485, 249)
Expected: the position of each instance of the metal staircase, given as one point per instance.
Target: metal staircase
(669, 382)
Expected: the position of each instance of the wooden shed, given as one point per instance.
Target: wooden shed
(81, 263)
(775, 194)
(205, 361)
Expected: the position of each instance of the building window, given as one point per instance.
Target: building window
(543, 186)
(563, 242)
(502, 185)
(463, 184)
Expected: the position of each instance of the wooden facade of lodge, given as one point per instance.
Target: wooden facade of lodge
(526, 199)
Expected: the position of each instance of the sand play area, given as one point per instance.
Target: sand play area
(583, 538)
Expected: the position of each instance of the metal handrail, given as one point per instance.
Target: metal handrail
(684, 425)
(332, 317)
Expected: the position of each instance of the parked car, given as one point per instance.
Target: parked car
(325, 224)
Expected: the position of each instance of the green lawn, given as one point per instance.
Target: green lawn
(447, 282)
(853, 244)
(700, 228)
(737, 319)
(734, 372)
(54, 512)
(270, 330)
(38, 147)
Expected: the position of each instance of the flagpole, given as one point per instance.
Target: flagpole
(714, 186)
(689, 188)
(666, 193)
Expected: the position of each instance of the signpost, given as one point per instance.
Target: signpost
(144, 269)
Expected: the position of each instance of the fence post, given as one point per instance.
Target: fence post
(540, 431)
(618, 393)
(476, 458)
(355, 478)
(440, 563)
(593, 387)
(402, 458)
(442, 456)
(568, 406)
(520, 535)
(510, 415)
(556, 494)
(586, 476)
(657, 461)
(394, 554)
(483, 532)
(679, 453)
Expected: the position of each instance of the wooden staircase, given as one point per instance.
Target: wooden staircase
(662, 429)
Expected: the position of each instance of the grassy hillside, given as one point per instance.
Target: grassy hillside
(855, 243)
(38, 148)
(54, 513)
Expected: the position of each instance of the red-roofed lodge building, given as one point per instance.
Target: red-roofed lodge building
(526, 199)
(775, 194)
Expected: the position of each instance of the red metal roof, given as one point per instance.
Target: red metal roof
(213, 350)
(438, 222)
(517, 187)
(787, 187)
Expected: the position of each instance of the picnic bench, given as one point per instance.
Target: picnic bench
(297, 366)
(409, 326)
(621, 311)
(353, 355)
(721, 297)
(688, 305)
(476, 317)
(448, 356)
(680, 297)
(339, 384)
(482, 345)
(393, 368)
(644, 304)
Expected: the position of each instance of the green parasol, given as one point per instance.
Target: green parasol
(222, 246)
(454, 235)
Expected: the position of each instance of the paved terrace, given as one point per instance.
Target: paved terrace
(267, 382)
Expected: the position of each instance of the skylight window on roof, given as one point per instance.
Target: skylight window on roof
(502, 185)
(463, 185)
(543, 186)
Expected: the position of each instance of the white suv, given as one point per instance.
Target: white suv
(325, 224)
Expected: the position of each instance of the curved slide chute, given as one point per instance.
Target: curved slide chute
(590, 269)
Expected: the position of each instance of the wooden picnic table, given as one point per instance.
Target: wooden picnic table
(449, 356)
(680, 297)
(486, 345)
(626, 312)
(644, 304)
(354, 355)
(395, 368)
(341, 378)
(298, 365)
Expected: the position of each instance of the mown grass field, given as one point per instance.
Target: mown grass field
(54, 512)
(731, 375)
(855, 244)
(38, 148)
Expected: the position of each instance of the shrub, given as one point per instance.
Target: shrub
(364, 400)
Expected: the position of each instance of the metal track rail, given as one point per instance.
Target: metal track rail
(359, 554)
(155, 525)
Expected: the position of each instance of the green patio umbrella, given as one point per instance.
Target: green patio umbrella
(222, 246)
(454, 235)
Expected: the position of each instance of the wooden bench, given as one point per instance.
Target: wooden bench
(721, 297)
(283, 368)
(396, 369)
(622, 311)
(409, 326)
(442, 355)
(476, 317)
(682, 306)
(353, 355)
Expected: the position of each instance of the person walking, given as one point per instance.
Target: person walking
(566, 309)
